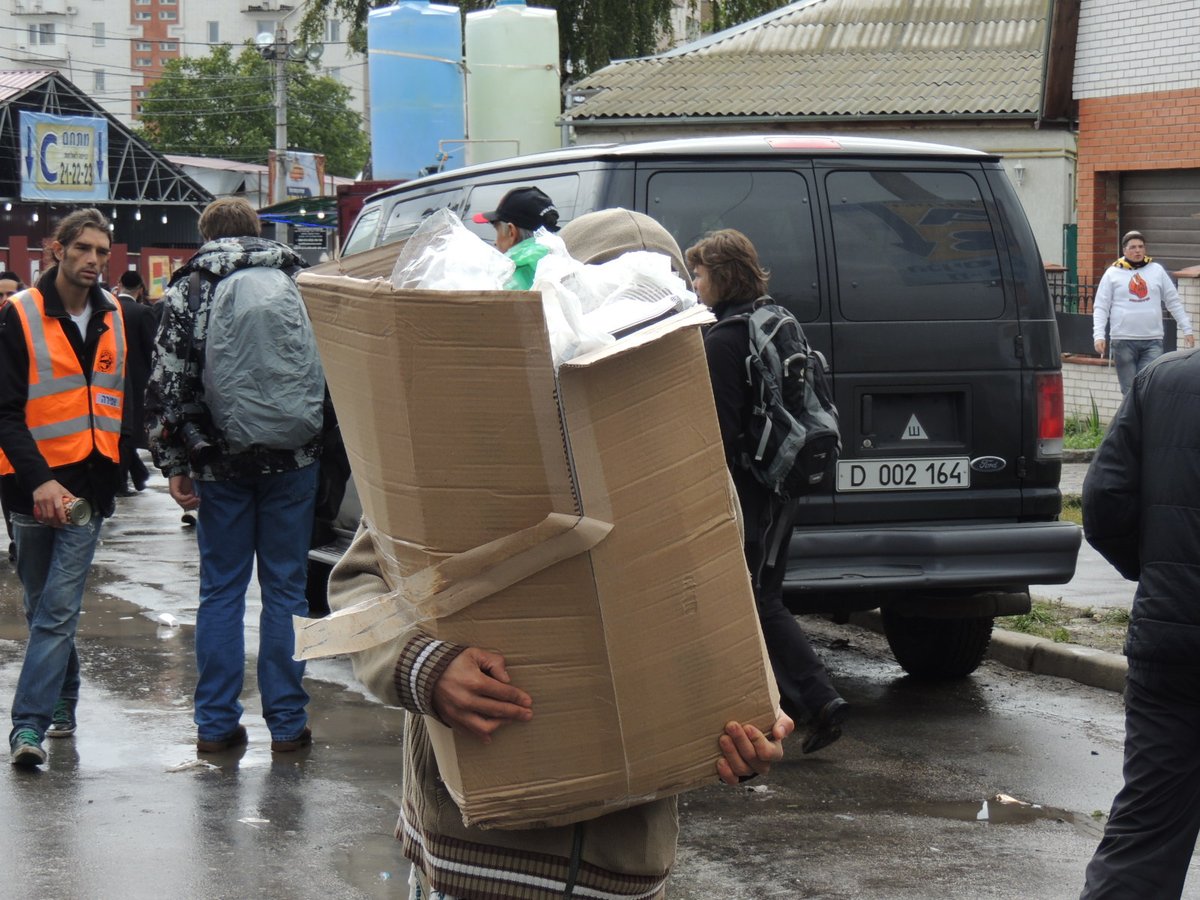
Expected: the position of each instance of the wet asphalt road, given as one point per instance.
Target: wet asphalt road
(893, 811)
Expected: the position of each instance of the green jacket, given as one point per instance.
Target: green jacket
(527, 254)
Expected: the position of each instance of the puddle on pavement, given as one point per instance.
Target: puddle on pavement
(1009, 811)
(374, 866)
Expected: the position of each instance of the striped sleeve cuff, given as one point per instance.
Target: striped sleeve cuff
(421, 664)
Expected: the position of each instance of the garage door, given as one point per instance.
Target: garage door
(1165, 207)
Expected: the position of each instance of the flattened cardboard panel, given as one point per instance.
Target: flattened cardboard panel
(569, 755)
(447, 407)
(681, 628)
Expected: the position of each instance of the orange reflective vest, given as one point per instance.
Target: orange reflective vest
(67, 416)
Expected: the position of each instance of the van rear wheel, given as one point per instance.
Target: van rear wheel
(937, 649)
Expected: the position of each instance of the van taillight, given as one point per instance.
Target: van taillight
(1050, 415)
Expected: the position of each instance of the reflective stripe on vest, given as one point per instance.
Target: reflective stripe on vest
(66, 417)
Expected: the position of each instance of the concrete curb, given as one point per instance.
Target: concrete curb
(1026, 653)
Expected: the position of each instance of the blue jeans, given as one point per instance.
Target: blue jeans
(268, 518)
(1131, 357)
(53, 565)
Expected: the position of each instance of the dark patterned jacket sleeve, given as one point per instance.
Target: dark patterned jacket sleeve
(174, 381)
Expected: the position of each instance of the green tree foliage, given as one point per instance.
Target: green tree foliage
(224, 105)
(727, 13)
(590, 32)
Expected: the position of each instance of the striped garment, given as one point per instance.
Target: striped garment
(534, 864)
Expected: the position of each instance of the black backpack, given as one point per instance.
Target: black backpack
(791, 439)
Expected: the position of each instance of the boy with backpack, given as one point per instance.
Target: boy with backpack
(756, 427)
(234, 411)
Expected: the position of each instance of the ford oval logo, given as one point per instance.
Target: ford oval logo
(988, 464)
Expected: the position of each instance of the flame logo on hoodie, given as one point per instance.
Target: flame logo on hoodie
(1138, 289)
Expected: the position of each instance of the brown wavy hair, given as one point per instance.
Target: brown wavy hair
(732, 263)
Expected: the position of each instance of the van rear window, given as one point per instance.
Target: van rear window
(409, 212)
(484, 198)
(771, 207)
(912, 246)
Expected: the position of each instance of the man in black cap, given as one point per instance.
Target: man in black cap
(521, 212)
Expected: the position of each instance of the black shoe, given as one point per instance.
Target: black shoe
(188, 520)
(236, 738)
(828, 726)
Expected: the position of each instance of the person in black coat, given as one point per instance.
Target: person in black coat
(1141, 511)
(727, 277)
(140, 325)
(10, 284)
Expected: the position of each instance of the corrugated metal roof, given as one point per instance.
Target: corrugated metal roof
(842, 58)
(14, 82)
(212, 162)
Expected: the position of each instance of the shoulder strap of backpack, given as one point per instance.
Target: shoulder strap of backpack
(194, 291)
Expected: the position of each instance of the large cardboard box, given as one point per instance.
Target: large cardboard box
(637, 651)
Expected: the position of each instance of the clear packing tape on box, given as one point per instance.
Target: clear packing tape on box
(447, 587)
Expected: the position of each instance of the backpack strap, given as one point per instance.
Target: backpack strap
(194, 291)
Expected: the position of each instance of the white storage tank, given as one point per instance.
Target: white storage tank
(513, 94)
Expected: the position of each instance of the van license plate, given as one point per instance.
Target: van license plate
(924, 474)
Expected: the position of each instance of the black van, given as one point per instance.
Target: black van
(913, 268)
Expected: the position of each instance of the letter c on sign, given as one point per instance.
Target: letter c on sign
(47, 174)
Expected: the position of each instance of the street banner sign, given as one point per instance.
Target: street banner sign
(64, 157)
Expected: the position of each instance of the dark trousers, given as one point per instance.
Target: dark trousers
(132, 467)
(1151, 831)
(804, 683)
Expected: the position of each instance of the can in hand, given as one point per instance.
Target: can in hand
(78, 510)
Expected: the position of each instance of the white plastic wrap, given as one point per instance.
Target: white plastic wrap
(587, 304)
(445, 255)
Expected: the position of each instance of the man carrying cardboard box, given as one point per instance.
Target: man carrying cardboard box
(628, 853)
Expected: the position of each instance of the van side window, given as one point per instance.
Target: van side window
(562, 189)
(362, 237)
(772, 208)
(409, 212)
(913, 245)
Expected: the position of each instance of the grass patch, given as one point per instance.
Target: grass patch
(1083, 432)
(1054, 620)
(1044, 620)
(1072, 509)
(1115, 617)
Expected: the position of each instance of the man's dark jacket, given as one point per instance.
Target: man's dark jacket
(1141, 508)
(140, 325)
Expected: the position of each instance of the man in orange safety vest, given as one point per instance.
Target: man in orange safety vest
(62, 383)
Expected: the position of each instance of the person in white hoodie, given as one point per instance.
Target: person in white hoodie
(1129, 301)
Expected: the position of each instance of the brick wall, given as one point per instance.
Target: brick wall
(1160, 130)
(1088, 379)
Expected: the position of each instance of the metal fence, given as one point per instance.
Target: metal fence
(1073, 304)
(1072, 298)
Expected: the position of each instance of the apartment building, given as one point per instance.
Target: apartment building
(115, 49)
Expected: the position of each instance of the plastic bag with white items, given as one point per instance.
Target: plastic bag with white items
(561, 280)
(445, 255)
(589, 306)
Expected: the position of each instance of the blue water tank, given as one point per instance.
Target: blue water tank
(416, 82)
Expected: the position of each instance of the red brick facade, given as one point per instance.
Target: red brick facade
(1130, 133)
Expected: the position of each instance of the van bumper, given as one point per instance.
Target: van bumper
(931, 556)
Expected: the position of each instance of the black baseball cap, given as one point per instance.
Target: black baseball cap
(525, 207)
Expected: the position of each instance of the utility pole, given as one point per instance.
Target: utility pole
(281, 135)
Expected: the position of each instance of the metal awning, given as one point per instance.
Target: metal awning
(307, 212)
